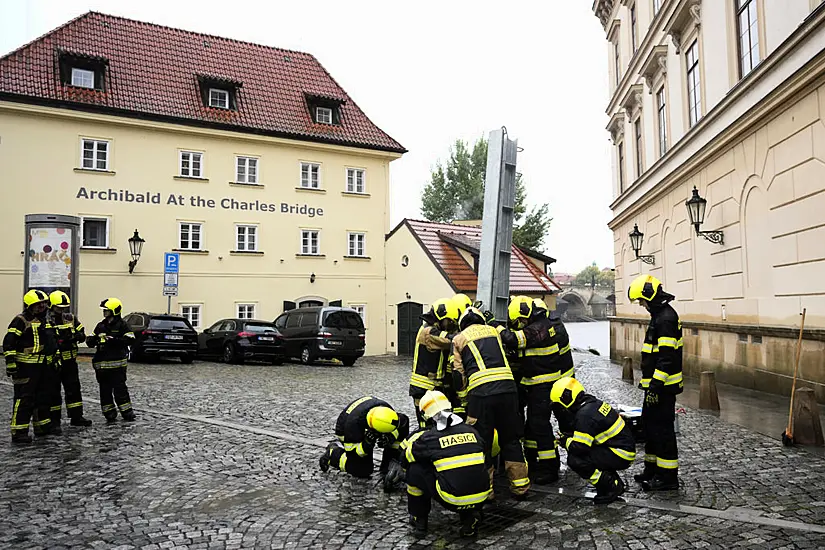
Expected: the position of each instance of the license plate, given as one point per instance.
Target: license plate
(266, 338)
(335, 342)
(173, 337)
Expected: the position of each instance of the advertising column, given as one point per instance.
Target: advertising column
(52, 254)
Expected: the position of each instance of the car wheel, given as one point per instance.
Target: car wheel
(187, 359)
(306, 356)
(229, 353)
(348, 361)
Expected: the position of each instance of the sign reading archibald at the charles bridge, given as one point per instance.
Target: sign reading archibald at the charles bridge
(196, 201)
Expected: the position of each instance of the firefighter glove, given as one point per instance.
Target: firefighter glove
(371, 437)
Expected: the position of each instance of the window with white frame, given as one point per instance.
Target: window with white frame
(748, 36)
(190, 236)
(191, 164)
(657, 5)
(94, 232)
(83, 78)
(694, 92)
(637, 136)
(356, 244)
(620, 160)
(617, 62)
(94, 154)
(661, 116)
(310, 175)
(634, 42)
(323, 115)
(310, 241)
(246, 170)
(361, 309)
(355, 180)
(219, 98)
(247, 238)
(192, 313)
(245, 311)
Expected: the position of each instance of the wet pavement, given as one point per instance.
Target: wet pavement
(226, 457)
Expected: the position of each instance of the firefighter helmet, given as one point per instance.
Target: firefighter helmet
(644, 287)
(58, 298)
(540, 308)
(471, 316)
(112, 304)
(565, 391)
(34, 297)
(521, 307)
(433, 403)
(382, 419)
(444, 308)
(462, 301)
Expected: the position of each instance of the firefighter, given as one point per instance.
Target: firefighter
(462, 302)
(446, 463)
(70, 332)
(481, 368)
(543, 354)
(112, 337)
(29, 348)
(599, 443)
(662, 382)
(432, 346)
(367, 423)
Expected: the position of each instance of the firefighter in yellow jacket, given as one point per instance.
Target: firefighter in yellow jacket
(662, 382)
(70, 332)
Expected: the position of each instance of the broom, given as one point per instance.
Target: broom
(787, 435)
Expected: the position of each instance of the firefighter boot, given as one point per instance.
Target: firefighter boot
(80, 421)
(128, 416)
(21, 438)
(469, 522)
(647, 474)
(419, 525)
(546, 472)
(323, 462)
(609, 488)
(667, 481)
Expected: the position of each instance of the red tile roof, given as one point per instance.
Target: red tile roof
(525, 276)
(153, 73)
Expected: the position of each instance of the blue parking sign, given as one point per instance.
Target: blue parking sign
(171, 262)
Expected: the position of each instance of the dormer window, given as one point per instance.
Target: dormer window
(218, 98)
(81, 70)
(83, 78)
(323, 115)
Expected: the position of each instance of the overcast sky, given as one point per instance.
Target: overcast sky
(428, 72)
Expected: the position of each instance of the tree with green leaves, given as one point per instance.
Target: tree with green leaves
(456, 192)
(593, 276)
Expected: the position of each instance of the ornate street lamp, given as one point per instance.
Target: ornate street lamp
(636, 239)
(135, 247)
(696, 206)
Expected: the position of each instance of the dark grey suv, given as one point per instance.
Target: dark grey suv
(312, 333)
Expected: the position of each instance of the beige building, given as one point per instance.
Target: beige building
(249, 161)
(427, 261)
(727, 96)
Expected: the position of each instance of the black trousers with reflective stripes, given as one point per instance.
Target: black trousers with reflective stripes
(600, 458)
(349, 461)
(113, 391)
(30, 402)
(539, 440)
(658, 414)
(422, 423)
(422, 478)
(498, 412)
(51, 388)
(70, 380)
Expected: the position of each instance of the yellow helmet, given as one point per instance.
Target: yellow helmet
(58, 298)
(382, 419)
(34, 296)
(644, 287)
(112, 304)
(565, 391)
(444, 308)
(462, 302)
(471, 316)
(434, 402)
(539, 306)
(521, 307)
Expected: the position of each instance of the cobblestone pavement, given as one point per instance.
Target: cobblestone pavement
(226, 457)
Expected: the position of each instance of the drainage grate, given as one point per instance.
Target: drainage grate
(500, 518)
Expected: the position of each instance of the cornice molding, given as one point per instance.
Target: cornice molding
(686, 12)
(632, 101)
(654, 65)
(616, 126)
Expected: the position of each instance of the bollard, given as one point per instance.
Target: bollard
(627, 369)
(708, 396)
(807, 428)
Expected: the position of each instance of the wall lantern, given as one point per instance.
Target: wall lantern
(312, 278)
(135, 247)
(696, 210)
(636, 239)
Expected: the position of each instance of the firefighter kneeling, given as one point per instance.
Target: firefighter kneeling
(601, 443)
(445, 462)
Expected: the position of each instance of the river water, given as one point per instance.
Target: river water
(594, 335)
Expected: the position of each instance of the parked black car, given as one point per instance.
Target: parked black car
(234, 340)
(159, 335)
(312, 333)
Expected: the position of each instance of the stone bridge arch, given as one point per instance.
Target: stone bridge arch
(576, 305)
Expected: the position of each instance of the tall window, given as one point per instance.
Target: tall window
(637, 135)
(192, 313)
(246, 311)
(661, 116)
(95, 233)
(246, 170)
(356, 244)
(191, 164)
(621, 166)
(247, 238)
(617, 62)
(310, 242)
(747, 30)
(310, 175)
(190, 236)
(633, 37)
(657, 5)
(355, 180)
(694, 92)
(361, 309)
(95, 154)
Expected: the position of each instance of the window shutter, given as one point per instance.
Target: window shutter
(289, 305)
(336, 303)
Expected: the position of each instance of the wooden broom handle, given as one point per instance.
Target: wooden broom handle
(795, 371)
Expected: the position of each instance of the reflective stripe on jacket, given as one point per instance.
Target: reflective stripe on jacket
(662, 352)
(478, 355)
